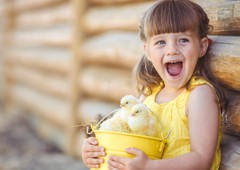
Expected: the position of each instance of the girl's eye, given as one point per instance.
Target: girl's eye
(183, 40)
(161, 42)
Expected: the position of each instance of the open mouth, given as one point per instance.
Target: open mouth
(174, 68)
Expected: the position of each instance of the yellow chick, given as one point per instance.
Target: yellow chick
(119, 121)
(142, 122)
(126, 103)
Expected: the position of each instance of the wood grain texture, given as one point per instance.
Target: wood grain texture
(27, 5)
(50, 60)
(106, 83)
(231, 123)
(45, 17)
(122, 17)
(59, 36)
(230, 152)
(227, 60)
(45, 106)
(115, 49)
(41, 81)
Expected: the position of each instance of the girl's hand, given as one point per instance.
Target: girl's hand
(139, 162)
(91, 153)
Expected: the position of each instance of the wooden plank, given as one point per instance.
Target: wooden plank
(59, 36)
(106, 83)
(226, 63)
(123, 47)
(90, 108)
(58, 136)
(26, 5)
(41, 81)
(104, 2)
(45, 17)
(232, 115)
(47, 107)
(78, 35)
(118, 15)
(52, 60)
(224, 16)
(9, 26)
(230, 152)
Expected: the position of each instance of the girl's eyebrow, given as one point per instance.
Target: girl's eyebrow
(155, 37)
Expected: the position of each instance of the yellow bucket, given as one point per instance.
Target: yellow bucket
(115, 143)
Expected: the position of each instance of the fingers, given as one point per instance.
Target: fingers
(91, 153)
(93, 162)
(134, 151)
(91, 145)
(115, 162)
(92, 140)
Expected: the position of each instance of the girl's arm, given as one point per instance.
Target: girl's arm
(91, 153)
(203, 117)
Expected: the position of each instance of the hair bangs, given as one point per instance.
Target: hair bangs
(172, 17)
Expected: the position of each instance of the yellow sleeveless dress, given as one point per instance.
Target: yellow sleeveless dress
(173, 117)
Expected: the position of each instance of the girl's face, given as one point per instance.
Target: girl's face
(175, 55)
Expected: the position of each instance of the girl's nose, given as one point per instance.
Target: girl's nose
(172, 49)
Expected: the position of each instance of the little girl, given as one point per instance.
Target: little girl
(176, 82)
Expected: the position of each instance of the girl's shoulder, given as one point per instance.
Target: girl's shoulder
(202, 94)
(200, 87)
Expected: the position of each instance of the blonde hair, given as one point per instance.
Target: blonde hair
(173, 16)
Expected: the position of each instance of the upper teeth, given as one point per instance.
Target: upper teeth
(174, 61)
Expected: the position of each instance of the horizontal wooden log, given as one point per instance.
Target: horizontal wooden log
(42, 81)
(26, 5)
(52, 60)
(113, 2)
(59, 36)
(223, 16)
(45, 17)
(231, 121)
(106, 83)
(48, 132)
(97, 18)
(90, 109)
(118, 49)
(226, 63)
(230, 152)
(47, 107)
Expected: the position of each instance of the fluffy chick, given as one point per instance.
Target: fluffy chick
(142, 122)
(126, 103)
(119, 121)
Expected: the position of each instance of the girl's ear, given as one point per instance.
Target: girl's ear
(204, 46)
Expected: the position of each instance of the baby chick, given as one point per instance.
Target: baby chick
(119, 121)
(126, 103)
(142, 122)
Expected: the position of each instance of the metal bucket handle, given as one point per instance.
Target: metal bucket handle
(89, 132)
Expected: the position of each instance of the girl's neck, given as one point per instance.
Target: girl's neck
(168, 94)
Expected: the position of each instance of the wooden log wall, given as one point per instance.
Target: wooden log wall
(38, 65)
(67, 63)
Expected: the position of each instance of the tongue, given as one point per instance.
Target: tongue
(174, 69)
